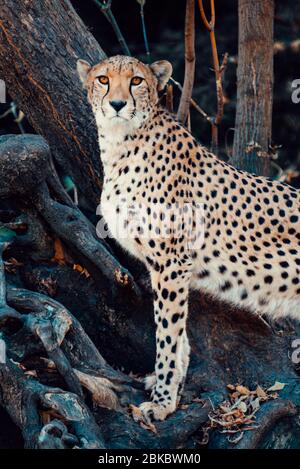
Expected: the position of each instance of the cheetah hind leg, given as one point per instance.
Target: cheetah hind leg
(150, 380)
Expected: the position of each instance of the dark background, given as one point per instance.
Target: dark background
(165, 28)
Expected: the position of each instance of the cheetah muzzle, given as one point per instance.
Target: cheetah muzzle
(195, 221)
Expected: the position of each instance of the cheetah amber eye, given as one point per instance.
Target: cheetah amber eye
(136, 81)
(103, 80)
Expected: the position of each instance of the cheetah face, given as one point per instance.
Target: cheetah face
(122, 90)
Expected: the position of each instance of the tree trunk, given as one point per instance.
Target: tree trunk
(40, 43)
(253, 124)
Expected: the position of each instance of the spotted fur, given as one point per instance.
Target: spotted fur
(250, 252)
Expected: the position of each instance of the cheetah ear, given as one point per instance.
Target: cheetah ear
(83, 69)
(163, 71)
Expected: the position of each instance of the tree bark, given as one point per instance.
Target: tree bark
(253, 124)
(40, 43)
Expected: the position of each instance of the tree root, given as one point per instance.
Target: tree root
(56, 385)
(27, 170)
(26, 400)
(69, 417)
(55, 418)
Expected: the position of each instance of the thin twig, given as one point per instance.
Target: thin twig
(189, 34)
(219, 70)
(17, 116)
(193, 102)
(142, 3)
(106, 10)
(6, 113)
(208, 24)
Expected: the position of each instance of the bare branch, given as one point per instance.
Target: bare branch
(189, 62)
(193, 102)
(219, 70)
(106, 10)
(146, 42)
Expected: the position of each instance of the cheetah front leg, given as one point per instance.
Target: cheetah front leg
(150, 380)
(170, 289)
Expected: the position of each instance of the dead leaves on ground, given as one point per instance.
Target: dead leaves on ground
(61, 257)
(59, 253)
(121, 278)
(237, 415)
(276, 387)
(81, 270)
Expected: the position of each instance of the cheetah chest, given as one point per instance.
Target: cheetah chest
(122, 214)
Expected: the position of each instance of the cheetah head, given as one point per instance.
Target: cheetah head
(122, 90)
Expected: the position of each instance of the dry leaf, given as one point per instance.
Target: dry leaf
(255, 404)
(121, 278)
(260, 392)
(136, 413)
(148, 426)
(231, 387)
(243, 407)
(243, 390)
(81, 269)
(277, 386)
(237, 414)
(59, 255)
(100, 388)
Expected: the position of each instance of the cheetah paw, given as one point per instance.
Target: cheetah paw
(151, 411)
(149, 382)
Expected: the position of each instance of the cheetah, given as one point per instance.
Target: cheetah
(246, 247)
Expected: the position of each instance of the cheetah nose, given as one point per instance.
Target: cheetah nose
(117, 105)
